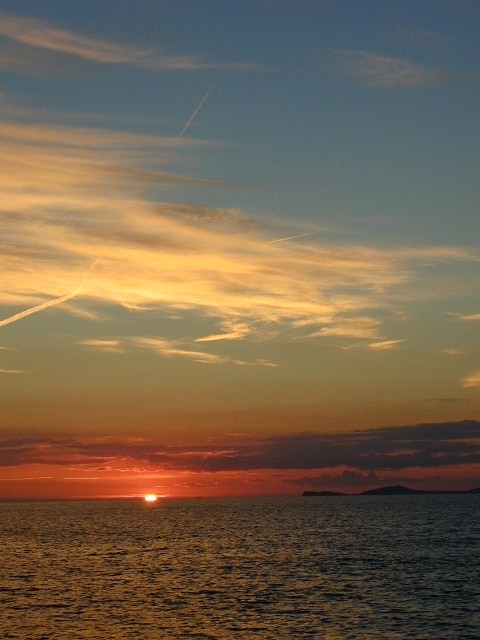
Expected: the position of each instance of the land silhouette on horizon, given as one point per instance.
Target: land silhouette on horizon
(392, 490)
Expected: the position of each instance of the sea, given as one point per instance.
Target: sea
(332, 568)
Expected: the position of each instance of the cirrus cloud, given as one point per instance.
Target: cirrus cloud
(80, 234)
(36, 35)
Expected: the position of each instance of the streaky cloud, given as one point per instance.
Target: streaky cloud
(233, 330)
(13, 109)
(378, 71)
(216, 337)
(361, 327)
(112, 346)
(472, 381)
(41, 35)
(58, 136)
(74, 197)
(170, 349)
(173, 349)
(385, 345)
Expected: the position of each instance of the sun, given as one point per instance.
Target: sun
(150, 497)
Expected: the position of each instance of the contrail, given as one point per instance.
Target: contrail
(300, 235)
(48, 303)
(68, 296)
(39, 307)
(189, 121)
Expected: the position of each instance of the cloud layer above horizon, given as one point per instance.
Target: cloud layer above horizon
(349, 459)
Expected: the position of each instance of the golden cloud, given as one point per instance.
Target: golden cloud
(76, 224)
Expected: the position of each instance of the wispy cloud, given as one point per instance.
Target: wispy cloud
(453, 352)
(166, 348)
(385, 345)
(172, 349)
(75, 221)
(472, 381)
(361, 327)
(79, 138)
(233, 330)
(374, 70)
(14, 110)
(112, 346)
(38, 35)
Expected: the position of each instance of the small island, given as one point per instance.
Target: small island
(393, 490)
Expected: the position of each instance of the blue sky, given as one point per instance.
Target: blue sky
(236, 220)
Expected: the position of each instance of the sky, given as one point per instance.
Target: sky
(239, 246)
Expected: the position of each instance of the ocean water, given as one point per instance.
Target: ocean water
(376, 567)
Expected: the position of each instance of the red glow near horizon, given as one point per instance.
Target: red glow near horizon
(42, 482)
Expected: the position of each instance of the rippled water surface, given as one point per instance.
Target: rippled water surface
(383, 567)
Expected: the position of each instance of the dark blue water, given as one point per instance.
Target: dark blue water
(377, 567)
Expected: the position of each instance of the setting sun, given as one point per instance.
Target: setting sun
(150, 497)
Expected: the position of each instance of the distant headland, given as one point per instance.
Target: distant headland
(394, 490)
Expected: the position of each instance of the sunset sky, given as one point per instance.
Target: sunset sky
(239, 247)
